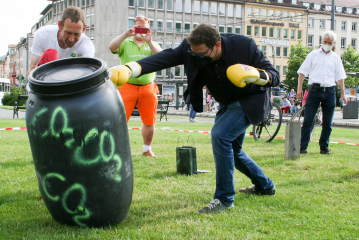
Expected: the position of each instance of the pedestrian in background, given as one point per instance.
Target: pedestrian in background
(209, 102)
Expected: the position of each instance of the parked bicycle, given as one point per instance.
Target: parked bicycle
(298, 116)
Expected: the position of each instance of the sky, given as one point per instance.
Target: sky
(17, 18)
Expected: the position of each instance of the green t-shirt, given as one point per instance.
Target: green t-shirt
(130, 52)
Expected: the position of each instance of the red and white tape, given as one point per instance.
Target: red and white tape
(175, 130)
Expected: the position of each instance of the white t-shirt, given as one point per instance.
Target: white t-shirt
(46, 38)
(325, 69)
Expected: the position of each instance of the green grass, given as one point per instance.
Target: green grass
(317, 196)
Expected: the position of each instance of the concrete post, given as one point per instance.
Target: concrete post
(292, 140)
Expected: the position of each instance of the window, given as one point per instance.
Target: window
(159, 73)
(151, 4)
(293, 16)
(196, 7)
(249, 12)
(310, 40)
(195, 24)
(170, 5)
(213, 8)
(279, 15)
(307, 4)
(279, 32)
(130, 22)
(277, 51)
(141, 3)
(322, 23)
(299, 34)
(238, 11)
(343, 43)
(354, 43)
(222, 9)
(349, 10)
(159, 25)
(92, 21)
(285, 70)
(230, 10)
(131, 3)
(317, 6)
(256, 31)
(354, 26)
(168, 45)
(160, 5)
(264, 31)
(271, 32)
(285, 52)
(285, 33)
(152, 24)
(277, 68)
(169, 27)
(300, 17)
(286, 16)
(249, 30)
(320, 41)
(178, 27)
(292, 34)
(311, 22)
(270, 51)
(294, 1)
(187, 27)
(178, 5)
(205, 7)
(264, 50)
(338, 9)
(238, 30)
(256, 12)
(328, 8)
(271, 14)
(344, 25)
(177, 71)
(187, 6)
(229, 29)
(264, 13)
(221, 29)
(169, 73)
(280, 1)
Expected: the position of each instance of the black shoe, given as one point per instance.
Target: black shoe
(251, 190)
(303, 151)
(324, 150)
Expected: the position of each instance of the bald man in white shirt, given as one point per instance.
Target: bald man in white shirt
(325, 70)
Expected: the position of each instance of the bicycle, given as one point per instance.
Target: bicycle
(271, 129)
(298, 116)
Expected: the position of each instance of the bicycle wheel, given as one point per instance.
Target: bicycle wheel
(298, 116)
(268, 129)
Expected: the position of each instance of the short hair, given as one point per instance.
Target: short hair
(74, 13)
(332, 35)
(204, 33)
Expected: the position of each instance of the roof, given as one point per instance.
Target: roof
(286, 3)
(46, 9)
(342, 3)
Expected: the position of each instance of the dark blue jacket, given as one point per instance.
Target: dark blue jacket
(236, 49)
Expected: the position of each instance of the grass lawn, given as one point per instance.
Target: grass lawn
(317, 195)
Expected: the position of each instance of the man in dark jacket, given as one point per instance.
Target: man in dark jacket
(223, 62)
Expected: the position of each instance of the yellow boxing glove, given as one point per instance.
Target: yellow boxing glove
(241, 74)
(119, 75)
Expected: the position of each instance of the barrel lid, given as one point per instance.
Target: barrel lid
(68, 76)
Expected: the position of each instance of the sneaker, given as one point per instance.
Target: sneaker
(303, 151)
(251, 190)
(215, 206)
(324, 150)
(193, 120)
(149, 153)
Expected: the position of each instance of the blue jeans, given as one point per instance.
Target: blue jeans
(293, 109)
(227, 137)
(327, 100)
(192, 113)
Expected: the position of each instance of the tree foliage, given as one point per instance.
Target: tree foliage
(351, 64)
(298, 53)
(10, 98)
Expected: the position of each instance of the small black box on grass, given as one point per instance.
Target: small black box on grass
(186, 160)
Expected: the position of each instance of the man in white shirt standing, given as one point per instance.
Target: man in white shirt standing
(325, 69)
(67, 38)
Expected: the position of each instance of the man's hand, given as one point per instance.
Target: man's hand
(120, 75)
(299, 93)
(241, 74)
(344, 98)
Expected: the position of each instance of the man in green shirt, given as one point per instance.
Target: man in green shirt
(141, 91)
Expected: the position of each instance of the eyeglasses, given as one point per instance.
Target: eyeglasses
(201, 55)
(142, 19)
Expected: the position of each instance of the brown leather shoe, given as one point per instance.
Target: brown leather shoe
(149, 153)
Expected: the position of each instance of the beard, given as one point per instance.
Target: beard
(67, 43)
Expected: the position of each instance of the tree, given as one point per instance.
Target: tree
(10, 98)
(298, 53)
(350, 61)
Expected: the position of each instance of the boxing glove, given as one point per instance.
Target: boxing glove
(119, 75)
(241, 74)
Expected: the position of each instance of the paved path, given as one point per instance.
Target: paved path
(338, 120)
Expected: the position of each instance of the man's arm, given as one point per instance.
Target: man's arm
(155, 48)
(34, 60)
(342, 90)
(117, 41)
(300, 86)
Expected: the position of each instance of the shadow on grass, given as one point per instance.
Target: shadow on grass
(14, 164)
(20, 196)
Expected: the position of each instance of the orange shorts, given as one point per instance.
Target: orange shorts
(146, 98)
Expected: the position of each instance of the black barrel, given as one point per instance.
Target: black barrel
(79, 141)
